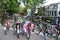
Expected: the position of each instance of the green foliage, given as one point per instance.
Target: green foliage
(30, 4)
(41, 11)
(33, 3)
(12, 5)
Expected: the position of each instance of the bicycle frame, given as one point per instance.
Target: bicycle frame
(26, 29)
(17, 29)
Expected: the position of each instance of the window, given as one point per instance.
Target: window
(51, 7)
(59, 13)
(59, 21)
(52, 13)
(55, 13)
(55, 6)
(48, 13)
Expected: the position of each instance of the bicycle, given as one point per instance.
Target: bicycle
(6, 27)
(27, 30)
(37, 29)
(17, 29)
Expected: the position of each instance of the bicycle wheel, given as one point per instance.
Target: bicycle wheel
(28, 34)
(37, 30)
(56, 38)
(17, 35)
(5, 32)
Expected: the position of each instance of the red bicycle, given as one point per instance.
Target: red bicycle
(6, 26)
(27, 30)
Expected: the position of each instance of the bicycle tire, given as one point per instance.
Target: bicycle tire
(28, 34)
(17, 35)
(38, 29)
(5, 32)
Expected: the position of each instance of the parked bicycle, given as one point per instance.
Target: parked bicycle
(27, 29)
(16, 29)
(6, 26)
(38, 29)
(57, 29)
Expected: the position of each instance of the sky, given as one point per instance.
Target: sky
(51, 1)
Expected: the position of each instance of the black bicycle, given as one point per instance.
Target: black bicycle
(16, 29)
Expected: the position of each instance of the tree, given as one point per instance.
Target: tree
(11, 5)
(33, 3)
(41, 11)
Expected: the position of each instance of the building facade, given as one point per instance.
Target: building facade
(53, 11)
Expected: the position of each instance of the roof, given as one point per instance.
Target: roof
(52, 4)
